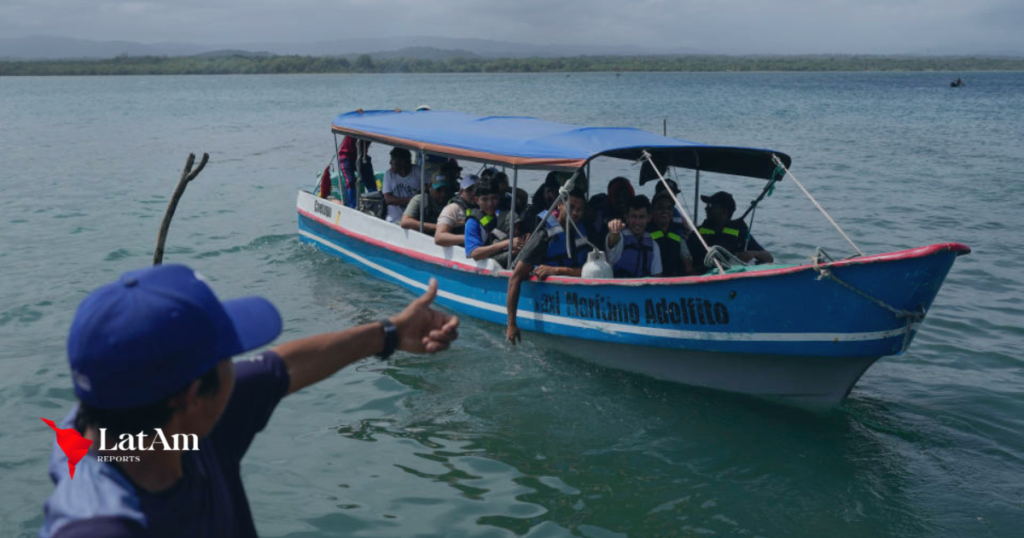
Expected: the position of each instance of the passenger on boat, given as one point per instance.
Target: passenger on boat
(452, 222)
(441, 189)
(670, 237)
(719, 229)
(677, 217)
(486, 233)
(400, 184)
(522, 202)
(611, 206)
(352, 156)
(543, 197)
(632, 251)
(548, 256)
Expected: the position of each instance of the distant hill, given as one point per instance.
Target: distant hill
(427, 48)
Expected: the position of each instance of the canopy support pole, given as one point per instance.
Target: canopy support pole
(589, 180)
(778, 162)
(512, 217)
(423, 201)
(647, 155)
(696, 186)
(337, 164)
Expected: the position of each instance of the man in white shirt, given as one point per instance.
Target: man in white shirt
(401, 183)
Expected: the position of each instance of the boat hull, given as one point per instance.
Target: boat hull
(784, 332)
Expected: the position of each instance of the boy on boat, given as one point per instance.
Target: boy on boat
(670, 237)
(632, 251)
(487, 227)
(441, 189)
(401, 183)
(548, 255)
(451, 223)
(718, 228)
(150, 358)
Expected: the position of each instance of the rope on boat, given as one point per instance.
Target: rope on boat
(647, 155)
(911, 316)
(778, 163)
(718, 254)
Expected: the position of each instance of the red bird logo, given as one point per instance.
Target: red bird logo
(72, 443)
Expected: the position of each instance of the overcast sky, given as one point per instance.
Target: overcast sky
(728, 26)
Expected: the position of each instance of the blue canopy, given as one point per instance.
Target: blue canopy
(527, 142)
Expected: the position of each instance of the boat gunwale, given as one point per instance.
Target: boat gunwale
(919, 252)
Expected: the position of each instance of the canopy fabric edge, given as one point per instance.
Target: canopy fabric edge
(452, 151)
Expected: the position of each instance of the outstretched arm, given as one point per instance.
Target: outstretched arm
(515, 282)
(421, 329)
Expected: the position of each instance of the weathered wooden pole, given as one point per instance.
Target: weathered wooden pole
(187, 175)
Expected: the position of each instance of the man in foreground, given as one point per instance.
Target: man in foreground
(150, 356)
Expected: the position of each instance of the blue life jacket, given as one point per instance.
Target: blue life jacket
(556, 254)
(637, 257)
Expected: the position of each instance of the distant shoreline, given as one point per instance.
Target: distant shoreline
(364, 64)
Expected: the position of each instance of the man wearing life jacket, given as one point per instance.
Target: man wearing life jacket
(487, 228)
(719, 229)
(670, 237)
(548, 256)
(632, 251)
(452, 222)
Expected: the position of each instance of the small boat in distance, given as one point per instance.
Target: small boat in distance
(958, 83)
(803, 332)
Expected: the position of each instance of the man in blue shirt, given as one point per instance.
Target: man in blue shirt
(169, 415)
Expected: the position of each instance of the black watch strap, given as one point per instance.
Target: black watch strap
(390, 339)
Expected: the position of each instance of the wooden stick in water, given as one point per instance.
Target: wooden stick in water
(187, 175)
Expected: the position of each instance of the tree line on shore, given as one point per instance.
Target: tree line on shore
(247, 64)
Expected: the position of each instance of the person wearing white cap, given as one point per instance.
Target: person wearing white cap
(452, 221)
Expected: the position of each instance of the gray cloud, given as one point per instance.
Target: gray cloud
(730, 26)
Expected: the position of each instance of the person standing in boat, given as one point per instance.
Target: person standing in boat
(441, 189)
(401, 183)
(632, 252)
(150, 357)
(549, 255)
(670, 237)
(354, 156)
(451, 223)
(719, 229)
(487, 227)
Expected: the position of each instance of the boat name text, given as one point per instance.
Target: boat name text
(685, 310)
(323, 209)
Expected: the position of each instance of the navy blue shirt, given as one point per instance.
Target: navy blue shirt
(209, 500)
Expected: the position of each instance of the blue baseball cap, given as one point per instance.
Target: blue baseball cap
(148, 335)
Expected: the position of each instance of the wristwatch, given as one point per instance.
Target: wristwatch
(390, 339)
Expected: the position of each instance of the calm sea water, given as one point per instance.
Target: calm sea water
(488, 440)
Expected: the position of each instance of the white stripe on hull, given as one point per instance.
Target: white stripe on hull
(619, 328)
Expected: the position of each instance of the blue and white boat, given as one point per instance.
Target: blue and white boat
(802, 332)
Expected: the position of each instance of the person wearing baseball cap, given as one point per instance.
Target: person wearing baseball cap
(170, 416)
(442, 186)
(452, 221)
(718, 228)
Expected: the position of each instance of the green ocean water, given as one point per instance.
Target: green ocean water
(488, 440)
